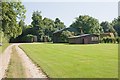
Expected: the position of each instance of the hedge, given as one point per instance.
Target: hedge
(110, 40)
(27, 38)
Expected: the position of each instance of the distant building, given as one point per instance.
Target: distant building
(56, 35)
(84, 39)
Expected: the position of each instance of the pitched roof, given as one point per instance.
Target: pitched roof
(59, 30)
(82, 35)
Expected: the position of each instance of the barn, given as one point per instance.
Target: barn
(56, 35)
(84, 39)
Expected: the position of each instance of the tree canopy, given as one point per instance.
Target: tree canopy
(87, 24)
(12, 13)
(13, 26)
(116, 25)
(45, 27)
(107, 27)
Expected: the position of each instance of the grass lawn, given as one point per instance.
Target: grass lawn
(15, 68)
(75, 61)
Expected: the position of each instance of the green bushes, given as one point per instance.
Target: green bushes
(118, 39)
(27, 38)
(64, 36)
(110, 40)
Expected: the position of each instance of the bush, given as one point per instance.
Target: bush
(108, 40)
(27, 38)
(118, 39)
(64, 36)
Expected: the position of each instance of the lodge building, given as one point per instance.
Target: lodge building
(84, 39)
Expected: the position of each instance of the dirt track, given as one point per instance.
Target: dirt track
(4, 60)
(31, 69)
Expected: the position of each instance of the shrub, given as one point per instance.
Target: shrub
(64, 36)
(108, 40)
(27, 38)
(118, 39)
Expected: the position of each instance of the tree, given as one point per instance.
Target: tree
(65, 35)
(107, 27)
(116, 25)
(22, 25)
(58, 24)
(87, 24)
(44, 28)
(48, 28)
(12, 12)
(37, 24)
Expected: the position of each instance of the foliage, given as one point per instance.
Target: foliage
(22, 25)
(118, 39)
(27, 38)
(88, 24)
(107, 27)
(12, 12)
(58, 24)
(44, 28)
(116, 25)
(65, 35)
(108, 40)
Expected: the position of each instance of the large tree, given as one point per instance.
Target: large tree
(58, 24)
(87, 24)
(116, 25)
(37, 24)
(107, 27)
(44, 28)
(12, 13)
(48, 28)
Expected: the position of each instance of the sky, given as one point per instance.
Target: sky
(67, 11)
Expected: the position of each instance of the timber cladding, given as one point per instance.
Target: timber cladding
(84, 39)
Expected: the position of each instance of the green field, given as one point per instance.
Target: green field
(75, 61)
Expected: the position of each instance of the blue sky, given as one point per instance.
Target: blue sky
(67, 11)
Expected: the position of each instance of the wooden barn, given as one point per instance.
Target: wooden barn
(84, 39)
(56, 35)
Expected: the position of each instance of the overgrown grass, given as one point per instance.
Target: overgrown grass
(75, 61)
(15, 68)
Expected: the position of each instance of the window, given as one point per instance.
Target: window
(94, 38)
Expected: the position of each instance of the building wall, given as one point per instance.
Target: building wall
(56, 38)
(84, 40)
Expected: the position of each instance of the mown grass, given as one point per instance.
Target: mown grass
(75, 61)
(15, 68)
